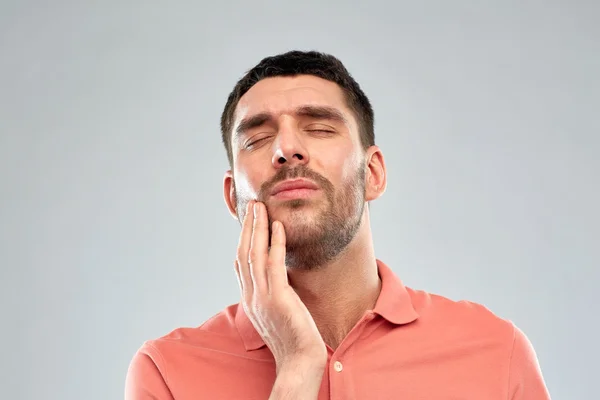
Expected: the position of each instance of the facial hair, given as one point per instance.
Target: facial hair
(312, 243)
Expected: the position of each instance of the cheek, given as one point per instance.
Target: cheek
(338, 163)
(350, 166)
(244, 186)
(249, 178)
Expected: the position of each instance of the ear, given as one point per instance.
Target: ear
(376, 174)
(229, 194)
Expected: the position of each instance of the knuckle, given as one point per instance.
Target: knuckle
(253, 255)
(239, 256)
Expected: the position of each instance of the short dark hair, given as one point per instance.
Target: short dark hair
(294, 63)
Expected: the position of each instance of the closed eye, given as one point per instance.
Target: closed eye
(320, 130)
(254, 143)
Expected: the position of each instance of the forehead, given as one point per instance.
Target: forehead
(278, 95)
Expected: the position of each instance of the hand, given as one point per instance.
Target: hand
(274, 308)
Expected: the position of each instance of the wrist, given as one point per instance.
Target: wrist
(302, 364)
(298, 381)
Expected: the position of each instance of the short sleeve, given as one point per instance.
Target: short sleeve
(144, 380)
(525, 376)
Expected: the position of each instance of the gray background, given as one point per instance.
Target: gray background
(112, 225)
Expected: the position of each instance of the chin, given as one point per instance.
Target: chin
(298, 233)
(290, 210)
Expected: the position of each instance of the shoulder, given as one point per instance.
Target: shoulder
(461, 316)
(470, 329)
(218, 331)
(216, 335)
(158, 362)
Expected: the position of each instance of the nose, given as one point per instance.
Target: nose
(289, 149)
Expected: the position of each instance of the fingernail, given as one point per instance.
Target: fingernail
(256, 208)
(275, 227)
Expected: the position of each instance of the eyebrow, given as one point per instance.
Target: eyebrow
(316, 112)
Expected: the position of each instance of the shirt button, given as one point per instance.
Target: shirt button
(338, 366)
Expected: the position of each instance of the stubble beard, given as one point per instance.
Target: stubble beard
(312, 242)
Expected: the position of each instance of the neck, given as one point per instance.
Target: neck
(337, 294)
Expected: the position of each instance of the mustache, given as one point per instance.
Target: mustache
(286, 173)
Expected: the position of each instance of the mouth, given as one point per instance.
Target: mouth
(294, 189)
(295, 194)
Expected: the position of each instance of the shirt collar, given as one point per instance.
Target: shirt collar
(394, 304)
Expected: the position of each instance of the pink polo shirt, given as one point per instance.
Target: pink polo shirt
(412, 345)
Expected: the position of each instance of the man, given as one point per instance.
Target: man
(320, 317)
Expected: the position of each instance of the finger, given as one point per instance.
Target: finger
(276, 269)
(259, 248)
(242, 251)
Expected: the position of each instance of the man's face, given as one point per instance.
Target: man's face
(288, 129)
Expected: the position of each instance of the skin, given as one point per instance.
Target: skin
(302, 286)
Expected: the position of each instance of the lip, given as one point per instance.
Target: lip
(294, 185)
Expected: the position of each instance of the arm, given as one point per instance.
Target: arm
(276, 311)
(298, 382)
(525, 376)
(144, 379)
